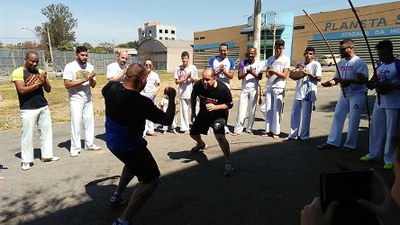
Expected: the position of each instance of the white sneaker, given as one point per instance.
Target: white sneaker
(75, 153)
(249, 131)
(25, 166)
(94, 147)
(54, 158)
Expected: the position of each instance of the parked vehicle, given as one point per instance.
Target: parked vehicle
(327, 60)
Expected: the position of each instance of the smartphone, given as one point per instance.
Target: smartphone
(346, 187)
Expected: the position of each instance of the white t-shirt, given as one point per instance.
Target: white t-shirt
(113, 69)
(249, 82)
(153, 80)
(388, 72)
(185, 88)
(229, 65)
(306, 87)
(73, 71)
(278, 65)
(164, 104)
(348, 70)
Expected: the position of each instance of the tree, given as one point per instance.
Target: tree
(87, 45)
(130, 44)
(30, 45)
(60, 25)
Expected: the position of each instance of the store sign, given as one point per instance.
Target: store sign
(367, 24)
(374, 27)
(391, 31)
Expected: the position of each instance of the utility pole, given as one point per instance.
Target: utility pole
(257, 27)
(273, 43)
(50, 48)
(272, 28)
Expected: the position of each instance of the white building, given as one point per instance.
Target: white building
(156, 31)
(165, 54)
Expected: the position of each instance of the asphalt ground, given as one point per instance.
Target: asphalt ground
(273, 178)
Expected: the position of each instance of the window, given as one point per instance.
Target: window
(166, 38)
(172, 38)
(172, 32)
(160, 31)
(201, 38)
(196, 38)
(299, 27)
(166, 31)
(160, 38)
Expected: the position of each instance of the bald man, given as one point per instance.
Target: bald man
(116, 70)
(215, 101)
(30, 83)
(125, 125)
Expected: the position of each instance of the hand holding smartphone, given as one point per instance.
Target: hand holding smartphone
(346, 187)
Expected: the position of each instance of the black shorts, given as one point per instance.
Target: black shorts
(141, 163)
(202, 124)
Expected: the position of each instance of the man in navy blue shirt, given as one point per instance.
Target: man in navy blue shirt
(124, 136)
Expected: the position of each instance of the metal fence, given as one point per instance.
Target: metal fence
(11, 59)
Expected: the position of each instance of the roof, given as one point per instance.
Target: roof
(177, 43)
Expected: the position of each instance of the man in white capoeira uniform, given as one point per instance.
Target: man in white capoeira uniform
(79, 78)
(353, 77)
(116, 70)
(224, 68)
(277, 71)
(250, 72)
(305, 96)
(385, 116)
(185, 75)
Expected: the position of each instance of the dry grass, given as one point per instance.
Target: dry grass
(59, 105)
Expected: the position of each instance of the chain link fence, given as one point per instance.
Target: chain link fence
(10, 59)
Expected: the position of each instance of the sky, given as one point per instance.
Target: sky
(118, 21)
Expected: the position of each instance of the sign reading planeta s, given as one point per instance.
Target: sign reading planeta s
(370, 23)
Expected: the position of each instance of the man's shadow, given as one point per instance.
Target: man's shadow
(187, 156)
(37, 154)
(67, 144)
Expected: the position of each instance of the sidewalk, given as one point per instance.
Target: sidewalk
(273, 179)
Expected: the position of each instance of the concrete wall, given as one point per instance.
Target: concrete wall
(206, 44)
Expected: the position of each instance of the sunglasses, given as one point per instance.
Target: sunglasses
(342, 49)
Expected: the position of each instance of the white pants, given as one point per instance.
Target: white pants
(273, 109)
(42, 118)
(184, 109)
(149, 127)
(81, 111)
(301, 110)
(353, 106)
(384, 124)
(247, 106)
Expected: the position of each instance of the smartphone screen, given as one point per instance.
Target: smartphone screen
(346, 187)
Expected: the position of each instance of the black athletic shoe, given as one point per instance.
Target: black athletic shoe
(197, 148)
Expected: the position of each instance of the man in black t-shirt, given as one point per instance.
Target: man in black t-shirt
(124, 136)
(215, 101)
(31, 83)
